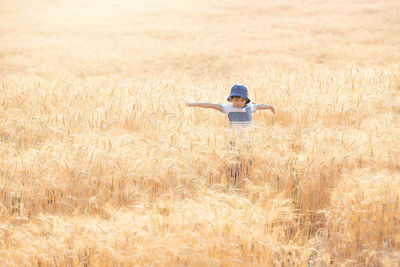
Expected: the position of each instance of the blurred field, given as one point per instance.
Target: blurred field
(103, 165)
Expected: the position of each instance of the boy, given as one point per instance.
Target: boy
(239, 112)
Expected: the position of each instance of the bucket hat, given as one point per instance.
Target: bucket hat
(239, 90)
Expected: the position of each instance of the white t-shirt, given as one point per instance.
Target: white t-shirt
(226, 108)
(239, 116)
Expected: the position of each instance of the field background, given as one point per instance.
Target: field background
(103, 165)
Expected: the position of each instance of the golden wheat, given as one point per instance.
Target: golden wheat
(103, 165)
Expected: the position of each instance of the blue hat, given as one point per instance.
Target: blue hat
(239, 90)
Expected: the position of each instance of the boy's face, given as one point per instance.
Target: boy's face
(238, 102)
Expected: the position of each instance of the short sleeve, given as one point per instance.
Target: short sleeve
(253, 107)
(226, 108)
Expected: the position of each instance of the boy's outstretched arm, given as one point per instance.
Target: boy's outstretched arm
(265, 106)
(205, 105)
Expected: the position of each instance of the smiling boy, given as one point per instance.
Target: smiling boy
(239, 112)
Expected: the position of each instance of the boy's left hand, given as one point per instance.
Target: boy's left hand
(272, 109)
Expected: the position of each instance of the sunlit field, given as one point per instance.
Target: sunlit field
(102, 164)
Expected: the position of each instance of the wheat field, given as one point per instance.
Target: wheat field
(102, 164)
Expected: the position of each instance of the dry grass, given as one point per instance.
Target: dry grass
(103, 165)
